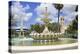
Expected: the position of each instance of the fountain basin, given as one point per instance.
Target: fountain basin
(30, 45)
(32, 42)
(18, 49)
(22, 41)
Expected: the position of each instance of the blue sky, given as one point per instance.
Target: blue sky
(31, 13)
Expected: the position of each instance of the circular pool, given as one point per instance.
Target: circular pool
(32, 42)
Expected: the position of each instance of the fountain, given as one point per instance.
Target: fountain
(21, 39)
(45, 32)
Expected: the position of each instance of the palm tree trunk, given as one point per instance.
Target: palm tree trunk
(58, 20)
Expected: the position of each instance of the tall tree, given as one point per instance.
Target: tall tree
(58, 7)
(73, 27)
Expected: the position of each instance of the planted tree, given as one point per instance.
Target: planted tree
(58, 7)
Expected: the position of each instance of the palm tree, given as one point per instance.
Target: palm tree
(58, 7)
(76, 8)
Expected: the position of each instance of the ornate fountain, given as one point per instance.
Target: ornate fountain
(46, 32)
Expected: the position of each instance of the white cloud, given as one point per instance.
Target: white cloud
(41, 10)
(18, 11)
(70, 17)
(28, 15)
(68, 11)
(68, 8)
